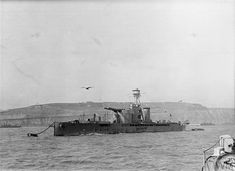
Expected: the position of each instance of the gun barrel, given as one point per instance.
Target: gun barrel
(114, 109)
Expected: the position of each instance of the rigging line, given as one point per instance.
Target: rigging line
(36, 134)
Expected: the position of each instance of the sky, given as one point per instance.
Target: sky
(170, 50)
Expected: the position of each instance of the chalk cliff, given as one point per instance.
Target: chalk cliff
(175, 111)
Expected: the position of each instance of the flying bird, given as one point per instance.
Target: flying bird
(87, 88)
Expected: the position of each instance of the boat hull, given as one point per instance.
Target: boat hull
(76, 128)
(225, 162)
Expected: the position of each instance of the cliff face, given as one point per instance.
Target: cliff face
(222, 115)
(195, 113)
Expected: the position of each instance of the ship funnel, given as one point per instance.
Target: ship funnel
(146, 114)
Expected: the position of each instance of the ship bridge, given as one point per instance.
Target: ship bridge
(135, 113)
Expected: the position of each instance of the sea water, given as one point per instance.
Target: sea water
(169, 151)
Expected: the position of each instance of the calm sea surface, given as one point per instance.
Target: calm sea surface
(178, 151)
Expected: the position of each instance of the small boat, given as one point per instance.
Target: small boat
(197, 129)
(10, 126)
(223, 158)
(207, 124)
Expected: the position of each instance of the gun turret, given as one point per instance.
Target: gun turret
(114, 109)
(118, 115)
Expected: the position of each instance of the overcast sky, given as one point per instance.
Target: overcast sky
(171, 50)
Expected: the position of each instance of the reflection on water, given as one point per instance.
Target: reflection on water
(180, 151)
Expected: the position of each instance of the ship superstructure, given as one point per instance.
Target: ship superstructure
(132, 120)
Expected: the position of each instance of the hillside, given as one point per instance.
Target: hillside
(195, 113)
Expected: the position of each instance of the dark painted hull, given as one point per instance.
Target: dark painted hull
(76, 128)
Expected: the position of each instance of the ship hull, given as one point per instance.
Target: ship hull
(76, 128)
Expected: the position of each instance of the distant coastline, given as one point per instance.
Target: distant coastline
(44, 114)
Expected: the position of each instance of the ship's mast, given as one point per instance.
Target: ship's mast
(136, 94)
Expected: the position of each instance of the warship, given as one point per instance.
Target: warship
(135, 119)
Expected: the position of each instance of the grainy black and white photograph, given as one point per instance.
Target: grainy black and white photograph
(117, 85)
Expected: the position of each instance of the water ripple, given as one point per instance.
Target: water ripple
(168, 151)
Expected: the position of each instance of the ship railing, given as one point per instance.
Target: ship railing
(206, 150)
